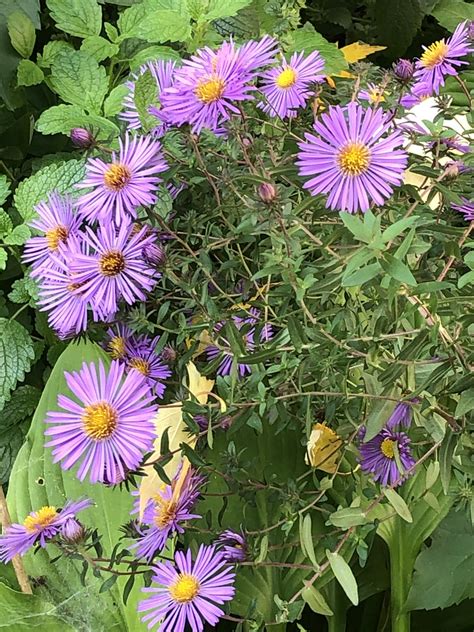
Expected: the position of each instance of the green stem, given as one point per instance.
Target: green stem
(401, 569)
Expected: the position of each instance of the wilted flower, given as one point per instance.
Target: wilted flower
(323, 449)
(233, 546)
(287, 87)
(466, 208)
(404, 69)
(188, 592)
(108, 425)
(38, 528)
(82, 138)
(122, 185)
(443, 58)
(378, 457)
(352, 159)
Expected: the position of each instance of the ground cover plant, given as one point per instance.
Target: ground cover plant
(236, 324)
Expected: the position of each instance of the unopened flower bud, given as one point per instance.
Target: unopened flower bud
(267, 192)
(72, 531)
(470, 30)
(154, 254)
(404, 69)
(226, 422)
(246, 142)
(169, 353)
(453, 169)
(82, 138)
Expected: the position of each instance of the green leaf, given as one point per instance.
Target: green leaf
(145, 96)
(51, 51)
(217, 9)
(397, 228)
(22, 33)
(61, 176)
(443, 572)
(378, 416)
(18, 236)
(361, 276)
(397, 269)
(348, 517)
(3, 259)
(99, 48)
(16, 355)
(4, 190)
(20, 612)
(306, 539)
(152, 53)
(446, 453)
(397, 23)
(344, 575)
(24, 290)
(114, 102)
(157, 21)
(307, 39)
(76, 17)
(36, 481)
(398, 504)
(29, 73)
(78, 79)
(465, 403)
(357, 227)
(61, 119)
(6, 224)
(316, 601)
(450, 13)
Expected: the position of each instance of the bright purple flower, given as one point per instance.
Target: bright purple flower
(352, 159)
(207, 86)
(418, 93)
(114, 268)
(404, 69)
(287, 87)
(118, 337)
(443, 58)
(142, 357)
(166, 512)
(466, 208)
(248, 325)
(122, 185)
(233, 546)
(400, 417)
(377, 457)
(57, 222)
(256, 54)
(72, 531)
(61, 296)
(374, 94)
(38, 528)
(109, 424)
(162, 72)
(188, 592)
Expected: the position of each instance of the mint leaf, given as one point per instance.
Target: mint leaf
(217, 9)
(61, 176)
(144, 96)
(16, 354)
(61, 119)
(157, 21)
(99, 48)
(51, 51)
(76, 17)
(23, 291)
(114, 102)
(4, 188)
(78, 79)
(6, 223)
(450, 12)
(18, 236)
(307, 39)
(28, 73)
(3, 258)
(22, 33)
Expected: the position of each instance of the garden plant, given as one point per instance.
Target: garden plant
(236, 272)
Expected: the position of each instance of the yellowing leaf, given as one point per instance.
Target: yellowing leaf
(359, 50)
(322, 451)
(171, 417)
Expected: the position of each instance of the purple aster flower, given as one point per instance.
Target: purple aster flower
(109, 424)
(142, 357)
(38, 528)
(403, 69)
(286, 87)
(118, 337)
(166, 512)
(207, 86)
(400, 417)
(61, 296)
(377, 457)
(57, 221)
(466, 208)
(153, 253)
(122, 185)
(374, 94)
(443, 58)
(188, 592)
(256, 54)
(114, 268)
(233, 546)
(418, 93)
(202, 421)
(248, 325)
(162, 72)
(352, 159)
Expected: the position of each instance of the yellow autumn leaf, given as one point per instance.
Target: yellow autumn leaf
(359, 50)
(172, 417)
(322, 450)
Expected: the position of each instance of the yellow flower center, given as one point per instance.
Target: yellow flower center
(100, 420)
(286, 78)
(140, 365)
(117, 176)
(55, 236)
(435, 54)
(354, 159)
(376, 95)
(185, 588)
(40, 519)
(211, 90)
(387, 448)
(112, 263)
(117, 347)
(73, 287)
(165, 512)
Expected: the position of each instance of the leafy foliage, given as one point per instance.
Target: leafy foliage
(16, 355)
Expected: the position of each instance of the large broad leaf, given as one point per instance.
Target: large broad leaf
(77, 17)
(16, 356)
(450, 13)
(307, 39)
(36, 481)
(22, 613)
(397, 23)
